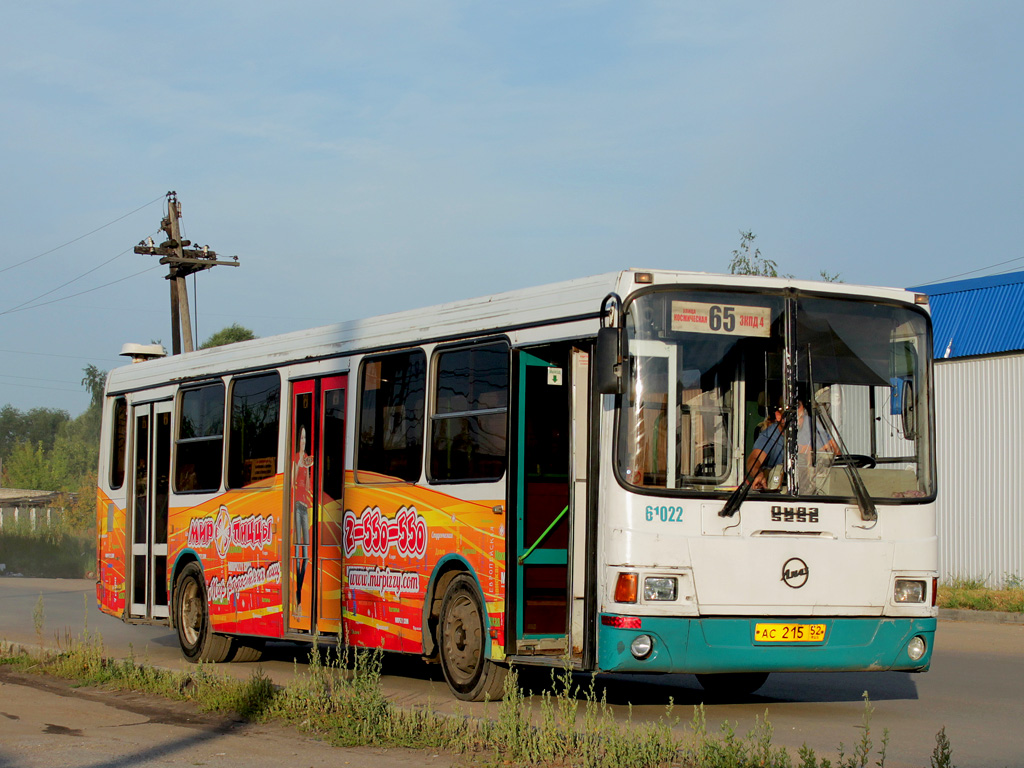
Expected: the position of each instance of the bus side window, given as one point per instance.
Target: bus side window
(252, 440)
(392, 396)
(199, 456)
(467, 428)
(118, 443)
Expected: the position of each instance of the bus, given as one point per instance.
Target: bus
(645, 471)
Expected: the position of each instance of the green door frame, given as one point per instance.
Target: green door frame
(529, 553)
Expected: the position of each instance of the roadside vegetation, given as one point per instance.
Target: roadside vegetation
(338, 698)
(974, 594)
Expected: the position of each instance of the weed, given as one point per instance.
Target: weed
(1013, 581)
(338, 696)
(39, 618)
(967, 582)
(49, 551)
(942, 755)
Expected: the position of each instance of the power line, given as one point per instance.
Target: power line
(73, 295)
(81, 237)
(36, 386)
(32, 378)
(971, 272)
(51, 354)
(69, 282)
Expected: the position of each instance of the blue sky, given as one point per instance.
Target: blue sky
(363, 158)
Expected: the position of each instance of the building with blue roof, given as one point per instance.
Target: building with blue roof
(981, 316)
(979, 423)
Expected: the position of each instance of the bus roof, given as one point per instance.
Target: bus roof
(554, 304)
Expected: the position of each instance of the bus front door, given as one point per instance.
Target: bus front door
(314, 524)
(551, 501)
(150, 484)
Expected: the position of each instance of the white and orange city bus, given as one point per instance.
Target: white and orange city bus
(645, 471)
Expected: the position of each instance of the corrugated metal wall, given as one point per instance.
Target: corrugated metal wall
(979, 422)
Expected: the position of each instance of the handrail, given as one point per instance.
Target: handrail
(543, 536)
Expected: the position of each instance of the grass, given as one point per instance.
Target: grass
(972, 593)
(50, 552)
(338, 697)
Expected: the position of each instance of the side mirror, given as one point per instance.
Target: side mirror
(908, 410)
(608, 361)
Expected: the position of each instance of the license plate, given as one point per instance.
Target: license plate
(789, 633)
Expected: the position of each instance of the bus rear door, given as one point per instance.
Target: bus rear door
(314, 521)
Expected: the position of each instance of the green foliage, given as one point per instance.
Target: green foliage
(46, 450)
(1012, 581)
(233, 333)
(979, 598)
(942, 755)
(39, 618)
(338, 696)
(48, 552)
(39, 425)
(967, 582)
(745, 262)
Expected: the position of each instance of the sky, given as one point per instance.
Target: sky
(364, 158)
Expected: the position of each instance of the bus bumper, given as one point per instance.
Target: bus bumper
(715, 645)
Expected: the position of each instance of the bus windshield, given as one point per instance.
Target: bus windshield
(795, 394)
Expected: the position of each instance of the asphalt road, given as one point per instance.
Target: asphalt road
(975, 687)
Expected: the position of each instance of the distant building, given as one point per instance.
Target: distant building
(979, 421)
(35, 508)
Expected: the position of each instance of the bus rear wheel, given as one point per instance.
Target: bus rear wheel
(732, 684)
(468, 671)
(192, 619)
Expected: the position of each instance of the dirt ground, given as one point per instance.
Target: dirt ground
(46, 723)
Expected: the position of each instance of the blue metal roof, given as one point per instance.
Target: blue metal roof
(981, 316)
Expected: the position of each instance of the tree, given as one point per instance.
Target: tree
(233, 333)
(95, 381)
(39, 425)
(746, 263)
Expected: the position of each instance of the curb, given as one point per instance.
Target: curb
(980, 617)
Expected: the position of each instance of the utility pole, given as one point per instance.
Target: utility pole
(182, 261)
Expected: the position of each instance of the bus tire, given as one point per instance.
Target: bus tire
(192, 619)
(463, 643)
(247, 649)
(732, 684)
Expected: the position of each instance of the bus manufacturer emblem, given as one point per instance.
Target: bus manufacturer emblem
(795, 573)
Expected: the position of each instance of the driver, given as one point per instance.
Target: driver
(769, 446)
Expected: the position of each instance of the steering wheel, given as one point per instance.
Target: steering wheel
(858, 460)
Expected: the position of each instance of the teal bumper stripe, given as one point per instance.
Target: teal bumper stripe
(709, 645)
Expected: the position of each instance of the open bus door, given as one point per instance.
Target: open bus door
(552, 427)
(150, 486)
(316, 478)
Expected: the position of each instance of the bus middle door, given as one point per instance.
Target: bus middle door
(551, 501)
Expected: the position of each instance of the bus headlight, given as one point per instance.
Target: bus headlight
(909, 591)
(641, 646)
(916, 648)
(660, 588)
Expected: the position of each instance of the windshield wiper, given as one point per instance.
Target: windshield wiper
(737, 497)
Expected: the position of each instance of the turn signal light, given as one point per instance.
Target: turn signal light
(625, 588)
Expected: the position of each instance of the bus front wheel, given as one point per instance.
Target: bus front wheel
(192, 619)
(732, 684)
(470, 674)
